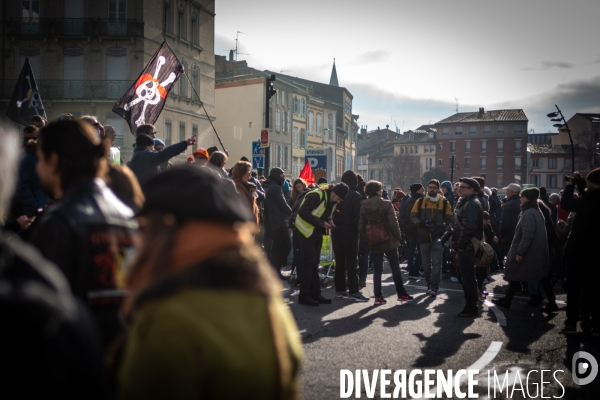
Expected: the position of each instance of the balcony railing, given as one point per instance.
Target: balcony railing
(52, 90)
(74, 27)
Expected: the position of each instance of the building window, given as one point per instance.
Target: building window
(467, 162)
(483, 146)
(568, 163)
(116, 9)
(500, 129)
(518, 128)
(534, 180)
(500, 147)
(278, 119)
(303, 105)
(319, 122)
(195, 32)
(518, 163)
(195, 134)
(440, 145)
(304, 138)
(499, 162)
(537, 163)
(487, 129)
(472, 129)
(440, 162)
(499, 180)
(417, 149)
(181, 131)
(296, 105)
(167, 131)
(452, 147)
(483, 162)
(286, 157)
(552, 163)
(458, 130)
(311, 121)
(445, 130)
(283, 98)
(167, 24)
(517, 179)
(296, 137)
(181, 23)
(425, 149)
(467, 146)
(551, 181)
(518, 145)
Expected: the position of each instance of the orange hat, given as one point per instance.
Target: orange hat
(201, 152)
(190, 159)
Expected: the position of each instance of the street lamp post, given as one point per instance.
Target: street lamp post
(553, 117)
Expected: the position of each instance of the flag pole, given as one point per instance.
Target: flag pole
(207, 116)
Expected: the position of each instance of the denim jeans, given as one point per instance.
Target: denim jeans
(446, 260)
(431, 254)
(363, 258)
(466, 267)
(414, 257)
(392, 257)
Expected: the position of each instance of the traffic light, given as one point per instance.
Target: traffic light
(271, 91)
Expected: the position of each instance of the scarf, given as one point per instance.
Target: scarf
(433, 199)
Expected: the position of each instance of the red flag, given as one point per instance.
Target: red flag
(307, 174)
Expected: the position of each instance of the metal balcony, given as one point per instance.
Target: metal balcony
(74, 27)
(56, 90)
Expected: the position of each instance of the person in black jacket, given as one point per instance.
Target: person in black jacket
(345, 241)
(581, 252)
(411, 232)
(314, 216)
(276, 218)
(146, 162)
(29, 194)
(510, 215)
(88, 233)
(468, 224)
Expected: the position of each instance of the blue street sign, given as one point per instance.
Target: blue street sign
(257, 150)
(258, 162)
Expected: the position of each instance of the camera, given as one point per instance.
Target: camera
(567, 178)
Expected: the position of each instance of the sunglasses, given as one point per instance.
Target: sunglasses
(464, 187)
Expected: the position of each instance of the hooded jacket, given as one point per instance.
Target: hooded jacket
(277, 210)
(377, 209)
(347, 213)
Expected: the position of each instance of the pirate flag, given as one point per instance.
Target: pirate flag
(144, 101)
(26, 101)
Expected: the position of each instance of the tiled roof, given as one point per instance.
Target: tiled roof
(486, 116)
(418, 137)
(548, 149)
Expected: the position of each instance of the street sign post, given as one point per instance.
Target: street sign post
(258, 156)
(264, 138)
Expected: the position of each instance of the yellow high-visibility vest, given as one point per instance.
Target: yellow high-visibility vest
(303, 226)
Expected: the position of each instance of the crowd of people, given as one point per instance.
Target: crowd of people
(149, 280)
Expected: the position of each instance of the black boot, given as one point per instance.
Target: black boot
(536, 300)
(504, 303)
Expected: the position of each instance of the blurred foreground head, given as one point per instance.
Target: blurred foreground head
(69, 152)
(8, 167)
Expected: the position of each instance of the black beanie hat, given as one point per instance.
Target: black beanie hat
(144, 140)
(321, 180)
(189, 193)
(531, 194)
(415, 187)
(594, 176)
(471, 182)
(341, 190)
(275, 174)
(349, 178)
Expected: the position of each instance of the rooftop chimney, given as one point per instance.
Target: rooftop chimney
(230, 55)
(481, 112)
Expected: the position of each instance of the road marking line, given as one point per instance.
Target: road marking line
(496, 310)
(487, 357)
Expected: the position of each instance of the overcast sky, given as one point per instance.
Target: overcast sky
(405, 62)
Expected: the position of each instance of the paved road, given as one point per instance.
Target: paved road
(426, 333)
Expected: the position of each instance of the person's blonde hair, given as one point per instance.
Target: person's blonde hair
(240, 169)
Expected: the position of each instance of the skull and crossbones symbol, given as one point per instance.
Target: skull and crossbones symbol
(150, 91)
(33, 98)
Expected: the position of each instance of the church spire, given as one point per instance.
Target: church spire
(333, 81)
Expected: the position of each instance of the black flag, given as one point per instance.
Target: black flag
(144, 101)
(26, 101)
